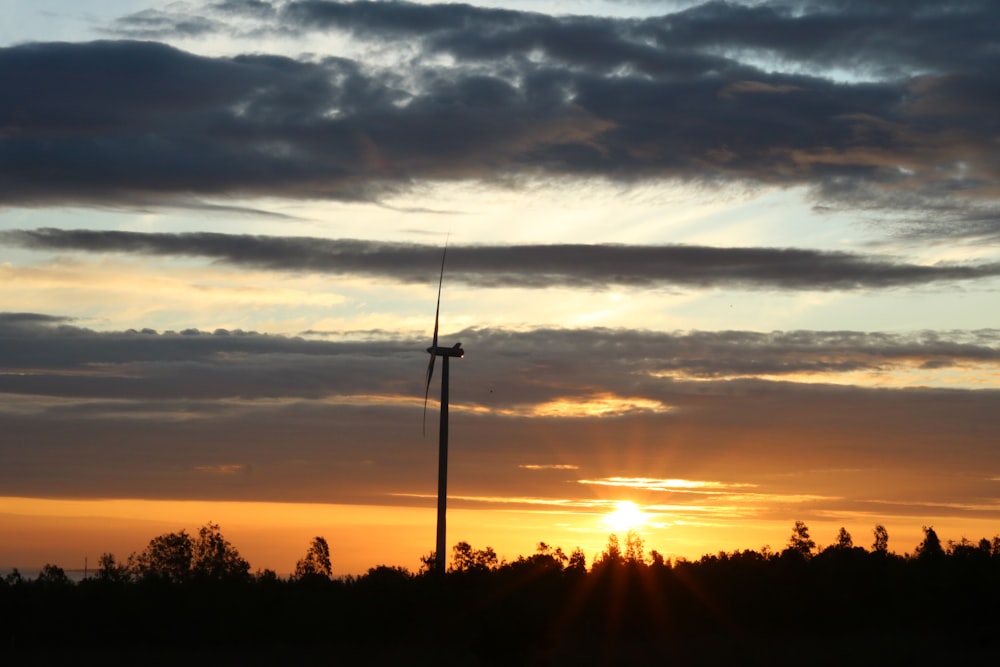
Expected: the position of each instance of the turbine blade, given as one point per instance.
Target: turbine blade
(434, 339)
(427, 391)
(437, 309)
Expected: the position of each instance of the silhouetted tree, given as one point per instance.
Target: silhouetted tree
(266, 576)
(800, 542)
(844, 540)
(389, 572)
(964, 549)
(634, 548)
(52, 575)
(881, 544)
(612, 554)
(556, 555)
(214, 557)
(387, 576)
(111, 572)
(466, 559)
(176, 557)
(166, 557)
(428, 563)
(577, 562)
(930, 548)
(316, 562)
(545, 559)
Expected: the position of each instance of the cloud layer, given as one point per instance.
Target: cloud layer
(237, 415)
(717, 91)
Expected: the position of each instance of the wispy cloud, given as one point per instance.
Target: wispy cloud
(222, 469)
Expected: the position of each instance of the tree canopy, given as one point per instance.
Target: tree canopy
(644, 608)
(176, 557)
(316, 563)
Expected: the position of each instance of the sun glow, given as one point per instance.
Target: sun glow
(627, 516)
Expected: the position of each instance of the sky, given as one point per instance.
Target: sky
(735, 263)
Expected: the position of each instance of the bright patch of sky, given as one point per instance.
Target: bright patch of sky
(59, 20)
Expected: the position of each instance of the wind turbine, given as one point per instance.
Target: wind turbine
(445, 353)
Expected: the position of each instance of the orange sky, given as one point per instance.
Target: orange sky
(275, 535)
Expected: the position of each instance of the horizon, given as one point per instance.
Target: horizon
(254, 539)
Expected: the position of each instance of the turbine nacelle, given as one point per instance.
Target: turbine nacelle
(453, 351)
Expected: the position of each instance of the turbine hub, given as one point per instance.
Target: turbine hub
(454, 351)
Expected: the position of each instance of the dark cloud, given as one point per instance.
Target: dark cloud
(152, 415)
(398, 18)
(886, 38)
(148, 122)
(47, 357)
(10, 321)
(716, 91)
(530, 266)
(869, 38)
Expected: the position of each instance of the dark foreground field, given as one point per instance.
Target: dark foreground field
(775, 649)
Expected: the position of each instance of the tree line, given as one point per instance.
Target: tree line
(549, 607)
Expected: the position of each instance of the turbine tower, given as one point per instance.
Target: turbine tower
(446, 353)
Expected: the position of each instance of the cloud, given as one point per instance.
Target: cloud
(44, 355)
(526, 266)
(153, 23)
(65, 360)
(240, 416)
(716, 92)
(885, 37)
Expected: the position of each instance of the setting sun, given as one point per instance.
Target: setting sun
(627, 516)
